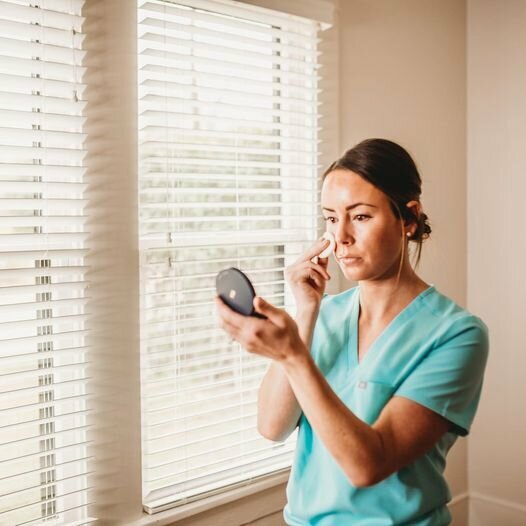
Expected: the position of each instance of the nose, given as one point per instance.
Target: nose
(343, 234)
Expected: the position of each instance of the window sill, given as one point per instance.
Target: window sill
(173, 514)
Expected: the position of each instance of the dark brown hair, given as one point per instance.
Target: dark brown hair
(391, 169)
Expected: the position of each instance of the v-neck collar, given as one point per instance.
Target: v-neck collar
(352, 346)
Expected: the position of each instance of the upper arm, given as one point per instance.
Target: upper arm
(440, 394)
(406, 431)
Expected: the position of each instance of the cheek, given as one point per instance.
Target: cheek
(378, 242)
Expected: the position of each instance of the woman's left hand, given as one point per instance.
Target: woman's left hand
(276, 338)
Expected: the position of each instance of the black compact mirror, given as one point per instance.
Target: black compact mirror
(236, 290)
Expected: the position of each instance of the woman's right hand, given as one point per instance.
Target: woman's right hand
(308, 279)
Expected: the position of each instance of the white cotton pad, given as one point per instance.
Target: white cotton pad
(330, 249)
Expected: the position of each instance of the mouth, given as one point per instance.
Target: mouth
(349, 260)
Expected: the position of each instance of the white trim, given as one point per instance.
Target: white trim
(164, 518)
(457, 499)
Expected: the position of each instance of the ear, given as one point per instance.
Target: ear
(415, 208)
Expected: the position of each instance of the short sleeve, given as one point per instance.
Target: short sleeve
(448, 380)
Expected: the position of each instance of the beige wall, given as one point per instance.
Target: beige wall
(496, 249)
(403, 77)
(114, 291)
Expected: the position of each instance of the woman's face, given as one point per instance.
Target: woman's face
(368, 232)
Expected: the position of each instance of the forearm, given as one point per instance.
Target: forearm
(306, 320)
(355, 445)
(278, 409)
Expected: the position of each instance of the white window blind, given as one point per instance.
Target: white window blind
(43, 291)
(228, 176)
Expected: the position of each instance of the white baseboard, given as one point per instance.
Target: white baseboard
(458, 498)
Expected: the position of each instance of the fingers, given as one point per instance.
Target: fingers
(316, 249)
(228, 320)
(247, 330)
(233, 331)
(323, 261)
(274, 314)
(319, 268)
(318, 280)
(303, 271)
(229, 315)
(237, 324)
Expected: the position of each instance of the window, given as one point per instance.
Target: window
(228, 176)
(43, 293)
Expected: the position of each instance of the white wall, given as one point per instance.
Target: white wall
(496, 250)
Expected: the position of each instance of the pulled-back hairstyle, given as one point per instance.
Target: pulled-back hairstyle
(390, 168)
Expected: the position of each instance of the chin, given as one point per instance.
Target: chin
(353, 274)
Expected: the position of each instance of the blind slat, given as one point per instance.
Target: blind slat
(217, 469)
(198, 414)
(180, 408)
(150, 22)
(23, 410)
(266, 87)
(160, 41)
(215, 438)
(14, 47)
(52, 36)
(24, 118)
(61, 19)
(157, 117)
(27, 359)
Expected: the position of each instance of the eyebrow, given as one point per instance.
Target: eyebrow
(351, 206)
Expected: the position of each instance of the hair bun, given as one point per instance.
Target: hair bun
(424, 226)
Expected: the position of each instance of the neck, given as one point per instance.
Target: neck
(382, 298)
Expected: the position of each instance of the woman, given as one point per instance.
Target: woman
(382, 378)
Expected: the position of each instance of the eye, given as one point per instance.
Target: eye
(328, 218)
(361, 215)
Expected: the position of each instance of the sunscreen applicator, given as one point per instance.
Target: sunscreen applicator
(329, 250)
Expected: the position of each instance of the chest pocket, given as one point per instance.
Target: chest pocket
(369, 398)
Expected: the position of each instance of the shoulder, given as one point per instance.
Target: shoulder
(451, 316)
(453, 323)
(447, 375)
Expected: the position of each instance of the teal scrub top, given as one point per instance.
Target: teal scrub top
(433, 352)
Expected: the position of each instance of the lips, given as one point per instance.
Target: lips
(350, 261)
